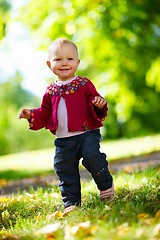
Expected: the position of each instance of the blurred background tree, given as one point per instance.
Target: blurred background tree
(119, 43)
(14, 134)
(4, 16)
(119, 46)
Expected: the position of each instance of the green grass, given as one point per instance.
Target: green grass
(34, 163)
(134, 214)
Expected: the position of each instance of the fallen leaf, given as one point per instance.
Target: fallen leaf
(81, 229)
(122, 230)
(142, 215)
(50, 216)
(157, 216)
(11, 237)
(3, 182)
(5, 215)
(112, 171)
(80, 226)
(156, 230)
(50, 228)
(39, 217)
(139, 233)
(111, 204)
(128, 169)
(58, 214)
(148, 221)
(89, 238)
(50, 236)
(4, 199)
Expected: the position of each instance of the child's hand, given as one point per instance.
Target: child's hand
(24, 113)
(99, 102)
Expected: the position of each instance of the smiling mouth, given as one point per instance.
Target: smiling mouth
(65, 69)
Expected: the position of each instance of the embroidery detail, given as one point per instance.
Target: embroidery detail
(32, 118)
(85, 126)
(69, 88)
(100, 172)
(105, 114)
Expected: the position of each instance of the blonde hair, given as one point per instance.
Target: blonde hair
(61, 41)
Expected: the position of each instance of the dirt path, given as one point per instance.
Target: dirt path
(127, 165)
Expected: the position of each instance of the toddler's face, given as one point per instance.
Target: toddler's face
(63, 61)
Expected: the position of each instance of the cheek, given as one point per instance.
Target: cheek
(54, 66)
(74, 65)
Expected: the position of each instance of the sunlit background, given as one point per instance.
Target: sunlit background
(119, 46)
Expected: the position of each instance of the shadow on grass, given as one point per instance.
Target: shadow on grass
(20, 174)
(13, 182)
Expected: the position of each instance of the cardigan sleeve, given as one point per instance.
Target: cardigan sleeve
(94, 111)
(41, 116)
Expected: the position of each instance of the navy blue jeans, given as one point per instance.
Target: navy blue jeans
(66, 164)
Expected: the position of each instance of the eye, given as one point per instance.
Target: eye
(70, 59)
(58, 59)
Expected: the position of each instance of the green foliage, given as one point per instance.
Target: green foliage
(4, 16)
(119, 45)
(133, 214)
(14, 136)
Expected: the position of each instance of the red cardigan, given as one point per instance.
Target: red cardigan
(82, 114)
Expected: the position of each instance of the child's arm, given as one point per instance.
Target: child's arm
(40, 117)
(99, 102)
(25, 113)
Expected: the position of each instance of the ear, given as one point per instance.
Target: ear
(78, 62)
(49, 64)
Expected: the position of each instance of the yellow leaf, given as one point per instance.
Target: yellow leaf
(148, 221)
(89, 238)
(4, 199)
(111, 204)
(142, 215)
(50, 216)
(13, 237)
(157, 215)
(128, 169)
(80, 226)
(122, 230)
(58, 214)
(115, 188)
(39, 217)
(3, 182)
(93, 230)
(81, 229)
(112, 171)
(50, 236)
(5, 215)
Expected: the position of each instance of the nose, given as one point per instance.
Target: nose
(64, 62)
